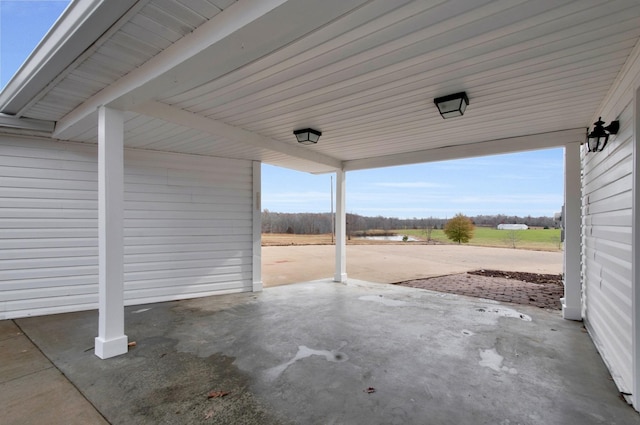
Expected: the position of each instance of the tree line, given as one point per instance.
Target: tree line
(321, 223)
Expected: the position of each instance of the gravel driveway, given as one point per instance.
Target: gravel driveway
(391, 263)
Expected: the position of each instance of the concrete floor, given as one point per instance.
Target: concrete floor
(307, 353)
(32, 390)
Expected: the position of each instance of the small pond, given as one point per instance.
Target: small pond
(394, 238)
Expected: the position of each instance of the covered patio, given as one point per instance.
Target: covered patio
(131, 143)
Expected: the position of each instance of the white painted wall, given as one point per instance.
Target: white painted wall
(188, 226)
(607, 259)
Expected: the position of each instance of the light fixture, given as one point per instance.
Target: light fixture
(598, 138)
(307, 136)
(452, 105)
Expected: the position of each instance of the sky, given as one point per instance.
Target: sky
(522, 184)
(23, 23)
(527, 183)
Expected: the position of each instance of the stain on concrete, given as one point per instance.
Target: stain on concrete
(505, 312)
(491, 359)
(273, 373)
(158, 385)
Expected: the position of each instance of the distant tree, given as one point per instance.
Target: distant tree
(512, 237)
(428, 227)
(266, 221)
(310, 223)
(459, 228)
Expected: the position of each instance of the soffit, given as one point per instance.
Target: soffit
(528, 68)
(367, 78)
(139, 35)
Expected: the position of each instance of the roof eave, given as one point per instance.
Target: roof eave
(10, 121)
(81, 23)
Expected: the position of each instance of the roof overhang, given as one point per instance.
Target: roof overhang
(66, 43)
(234, 79)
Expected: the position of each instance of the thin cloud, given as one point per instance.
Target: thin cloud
(295, 197)
(397, 197)
(509, 199)
(412, 185)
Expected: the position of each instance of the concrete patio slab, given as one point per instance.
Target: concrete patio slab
(32, 390)
(20, 358)
(327, 353)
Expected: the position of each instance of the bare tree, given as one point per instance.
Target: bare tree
(512, 237)
(427, 228)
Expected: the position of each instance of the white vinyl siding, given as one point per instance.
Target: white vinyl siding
(606, 253)
(188, 226)
(48, 227)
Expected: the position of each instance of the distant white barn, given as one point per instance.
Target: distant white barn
(512, 227)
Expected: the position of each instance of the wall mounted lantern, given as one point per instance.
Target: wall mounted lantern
(452, 105)
(598, 138)
(307, 136)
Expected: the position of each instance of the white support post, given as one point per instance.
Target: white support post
(341, 228)
(635, 251)
(111, 340)
(572, 301)
(257, 227)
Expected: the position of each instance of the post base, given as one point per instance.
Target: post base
(571, 313)
(341, 278)
(111, 347)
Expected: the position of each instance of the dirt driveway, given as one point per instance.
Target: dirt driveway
(395, 263)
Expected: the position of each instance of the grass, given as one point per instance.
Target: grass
(534, 239)
(283, 239)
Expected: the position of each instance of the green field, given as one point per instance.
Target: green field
(535, 239)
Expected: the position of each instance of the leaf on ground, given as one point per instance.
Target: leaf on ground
(216, 394)
(370, 390)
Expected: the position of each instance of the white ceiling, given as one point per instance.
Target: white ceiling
(234, 79)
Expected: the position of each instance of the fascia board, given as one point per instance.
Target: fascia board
(10, 121)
